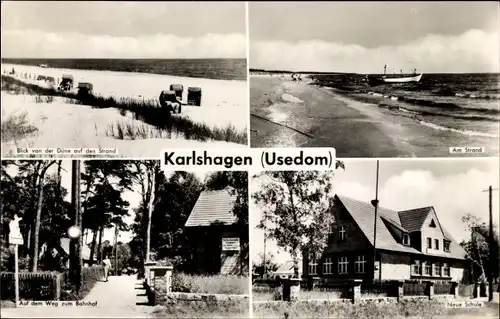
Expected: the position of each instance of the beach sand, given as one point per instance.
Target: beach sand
(224, 102)
(61, 125)
(354, 128)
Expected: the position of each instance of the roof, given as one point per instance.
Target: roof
(413, 219)
(363, 215)
(213, 207)
(286, 268)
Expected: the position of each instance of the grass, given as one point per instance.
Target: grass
(224, 309)
(215, 284)
(147, 111)
(16, 127)
(403, 309)
(123, 130)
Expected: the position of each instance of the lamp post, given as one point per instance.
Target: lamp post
(75, 231)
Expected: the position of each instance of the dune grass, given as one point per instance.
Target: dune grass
(214, 284)
(16, 127)
(147, 111)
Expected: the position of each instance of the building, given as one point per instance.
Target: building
(285, 270)
(214, 235)
(410, 245)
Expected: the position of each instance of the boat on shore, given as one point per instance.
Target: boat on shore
(395, 78)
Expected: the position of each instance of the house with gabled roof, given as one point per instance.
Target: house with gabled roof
(409, 245)
(213, 234)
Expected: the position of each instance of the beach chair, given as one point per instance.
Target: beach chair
(194, 96)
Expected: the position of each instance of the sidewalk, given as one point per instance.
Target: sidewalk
(120, 297)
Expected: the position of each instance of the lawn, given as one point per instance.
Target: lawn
(224, 309)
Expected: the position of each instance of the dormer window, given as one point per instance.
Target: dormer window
(432, 224)
(406, 239)
(446, 246)
(342, 233)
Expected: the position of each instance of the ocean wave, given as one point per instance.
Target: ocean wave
(462, 132)
(470, 117)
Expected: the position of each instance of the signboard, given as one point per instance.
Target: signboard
(16, 240)
(15, 237)
(230, 244)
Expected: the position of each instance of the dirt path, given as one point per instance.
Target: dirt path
(120, 297)
(353, 128)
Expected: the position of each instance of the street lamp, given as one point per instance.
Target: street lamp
(74, 232)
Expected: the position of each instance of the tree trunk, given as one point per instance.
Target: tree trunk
(295, 258)
(151, 191)
(99, 245)
(37, 224)
(92, 246)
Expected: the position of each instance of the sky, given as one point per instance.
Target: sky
(87, 29)
(133, 197)
(362, 37)
(452, 186)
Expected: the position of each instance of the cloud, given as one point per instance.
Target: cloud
(471, 51)
(36, 44)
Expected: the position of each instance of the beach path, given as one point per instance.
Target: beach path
(120, 297)
(295, 114)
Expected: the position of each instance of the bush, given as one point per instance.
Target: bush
(90, 276)
(216, 284)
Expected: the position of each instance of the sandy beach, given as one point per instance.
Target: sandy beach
(62, 125)
(316, 116)
(226, 97)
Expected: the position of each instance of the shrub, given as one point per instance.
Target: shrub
(215, 284)
(16, 127)
(90, 276)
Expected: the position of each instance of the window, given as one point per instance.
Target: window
(343, 265)
(446, 270)
(359, 264)
(416, 267)
(436, 244)
(328, 266)
(446, 245)
(313, 267)
(342, 233)
(330, 233)
(429, 242)
(432, 224)
(406, 239)
(428, 269)
(437, 269)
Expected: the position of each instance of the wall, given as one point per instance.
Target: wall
(355, 243)
(433, 233)
(395, 266)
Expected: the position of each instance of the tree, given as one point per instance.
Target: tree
(144, 174)
(477, 249)
(295, 206)
(176, 197)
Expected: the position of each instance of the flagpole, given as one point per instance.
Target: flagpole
(375, 204)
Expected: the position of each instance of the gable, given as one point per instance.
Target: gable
(364, 214)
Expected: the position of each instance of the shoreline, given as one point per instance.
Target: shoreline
(354, 128)
(124, 72)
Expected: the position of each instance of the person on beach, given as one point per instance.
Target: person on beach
(106, 259)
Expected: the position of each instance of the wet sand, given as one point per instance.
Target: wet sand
(354, 128)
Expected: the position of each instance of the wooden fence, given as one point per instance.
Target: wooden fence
(32, 286)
